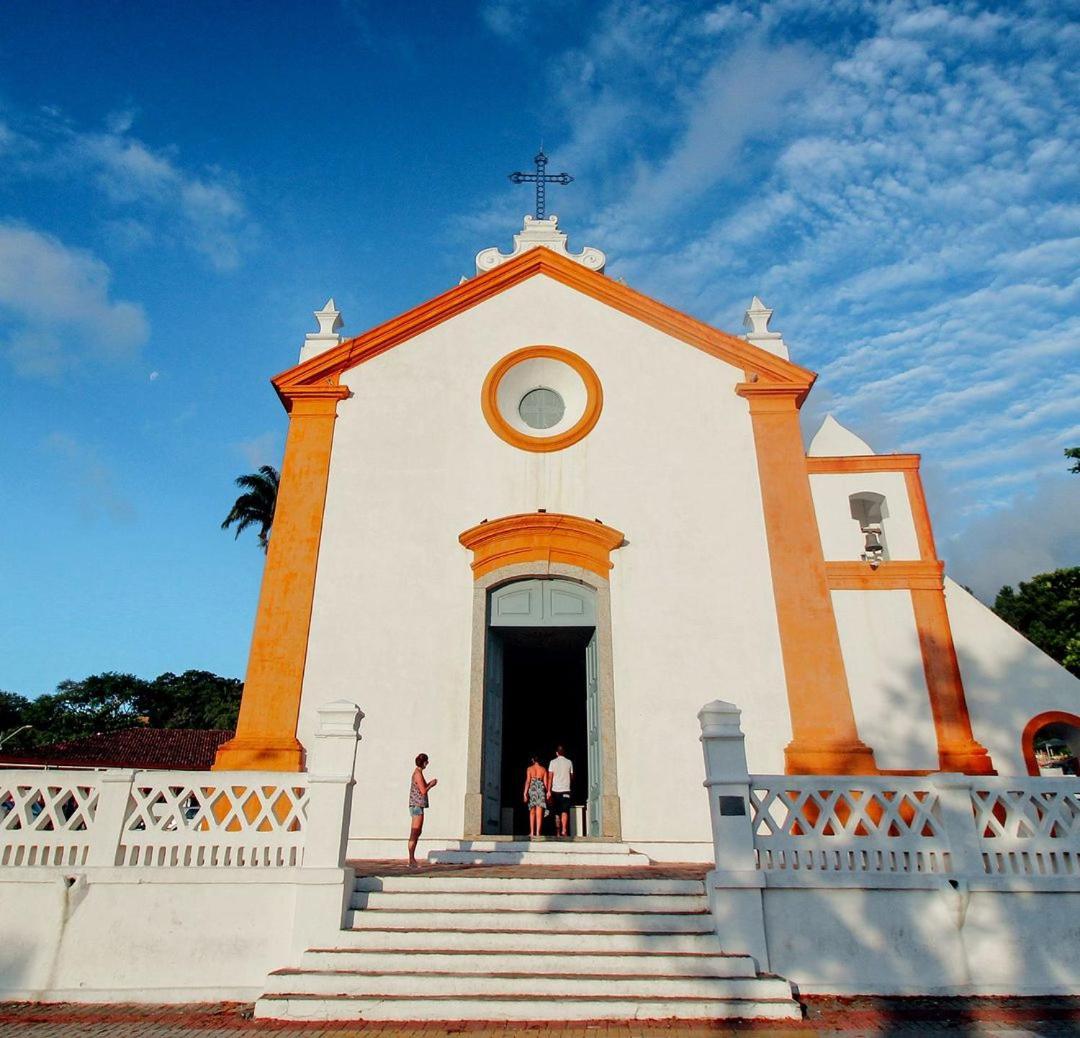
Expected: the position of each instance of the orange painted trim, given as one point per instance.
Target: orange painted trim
(355, 351)
(863, 463)
(920, 514)
(1027, 738)
(594, 401)
(889, 576)
(957, 747)
(541, 536)
(825, 739)
(270, 706)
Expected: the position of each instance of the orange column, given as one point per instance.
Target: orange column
(825, 740)
(957, 748)
(266, 731)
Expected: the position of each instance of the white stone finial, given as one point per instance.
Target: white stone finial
(536, 233)
(833, 440)
(756, 321)
(330, 324)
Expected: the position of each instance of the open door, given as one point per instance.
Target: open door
(493, 734)
(592, 720)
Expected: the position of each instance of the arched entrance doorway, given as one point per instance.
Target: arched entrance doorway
(541, 689)
(1051, 744)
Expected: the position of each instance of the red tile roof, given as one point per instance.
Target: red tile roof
(168, 749)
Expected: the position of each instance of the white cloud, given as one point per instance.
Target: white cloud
(91, 480)
(896, 178)
(264, 449)
(152, 196)
(56, 309)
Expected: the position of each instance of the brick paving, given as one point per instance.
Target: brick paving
(825, 1017)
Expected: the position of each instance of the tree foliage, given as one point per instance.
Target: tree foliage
(255, 507)
(1074, 454)
(111, 701)
(1046, 611)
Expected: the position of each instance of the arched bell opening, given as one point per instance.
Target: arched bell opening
(1051, 744)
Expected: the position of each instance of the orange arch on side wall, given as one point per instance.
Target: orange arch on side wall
(1027, 740)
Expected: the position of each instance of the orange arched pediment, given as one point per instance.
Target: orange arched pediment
(541, 536)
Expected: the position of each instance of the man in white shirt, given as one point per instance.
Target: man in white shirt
(560, 780)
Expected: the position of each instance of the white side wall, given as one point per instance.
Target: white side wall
(841, 539)
(924, 942)
(885, 675)
(1008, 680)
(151, 935)
(671, 463)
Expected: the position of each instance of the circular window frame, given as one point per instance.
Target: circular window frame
(594, 400)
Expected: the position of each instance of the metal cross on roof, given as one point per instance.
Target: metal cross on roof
(541, 178)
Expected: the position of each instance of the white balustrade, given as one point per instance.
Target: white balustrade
(852, 824)
(187, 819)
(804, 828)
(1028, 826)
(47, 817)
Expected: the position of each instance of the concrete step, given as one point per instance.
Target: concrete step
(448, 960)
(537, 852)
(426, 1007)
(523, 983)
(564, 922)
(515, 901)
(541, 939)
(481, 884)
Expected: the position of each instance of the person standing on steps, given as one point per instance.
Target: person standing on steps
(559, 783)
(536, 793)
(418, 801)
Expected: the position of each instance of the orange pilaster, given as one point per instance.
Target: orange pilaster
(266, 731)
(825, 739)
(957, 748)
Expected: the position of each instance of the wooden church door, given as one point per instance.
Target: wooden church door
(592, 715)
(493, 733)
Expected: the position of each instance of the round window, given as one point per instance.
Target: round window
(541, 408)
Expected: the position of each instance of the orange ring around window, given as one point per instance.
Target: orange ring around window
(594, 400)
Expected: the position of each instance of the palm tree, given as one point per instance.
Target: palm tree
(255, 507)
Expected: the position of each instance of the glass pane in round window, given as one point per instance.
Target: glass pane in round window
(541, 408)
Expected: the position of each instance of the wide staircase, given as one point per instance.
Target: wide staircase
(492, 942)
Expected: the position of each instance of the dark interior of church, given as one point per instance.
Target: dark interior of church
(543, 706)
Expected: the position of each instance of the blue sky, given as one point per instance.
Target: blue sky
(182, 184)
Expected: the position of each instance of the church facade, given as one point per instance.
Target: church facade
(543, 508)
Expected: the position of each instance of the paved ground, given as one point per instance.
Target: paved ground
(825, 1017)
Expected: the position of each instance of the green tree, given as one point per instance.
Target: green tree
(1046, 611)
(255, 507)
(194, 699)
(1074, 453)
(13, 715)
(99, 703)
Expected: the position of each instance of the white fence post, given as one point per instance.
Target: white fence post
(958, 821)
(114, 791)
(330, 783)
(735, 884)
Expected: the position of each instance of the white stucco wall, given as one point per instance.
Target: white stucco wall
(841, 539)
(880, 643)
(671, 463)
(146, 935)
(1007, 680)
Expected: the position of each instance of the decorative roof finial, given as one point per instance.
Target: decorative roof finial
(537, 233)
(541, 178)
(756, 321)
(330, 323)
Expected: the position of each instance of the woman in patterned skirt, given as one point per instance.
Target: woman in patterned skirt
(535, 795)
(418, 801)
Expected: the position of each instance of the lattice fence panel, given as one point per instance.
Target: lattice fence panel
(178, 819)
(1029, 828)
(46, 818)
(846, 825)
